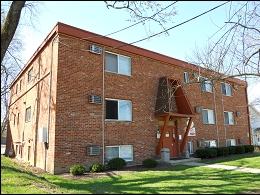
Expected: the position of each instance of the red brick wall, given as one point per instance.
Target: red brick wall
(76, 124)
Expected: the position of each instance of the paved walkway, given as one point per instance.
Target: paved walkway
(242, 169)
(3, 149)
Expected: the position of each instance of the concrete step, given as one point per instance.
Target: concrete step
(184, 160)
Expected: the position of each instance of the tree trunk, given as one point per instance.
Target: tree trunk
(10, 25)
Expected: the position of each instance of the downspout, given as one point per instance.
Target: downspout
(248, 117)
(46, 144)
(216, 114)
(103, 107)
(183, 143)
(224, 119)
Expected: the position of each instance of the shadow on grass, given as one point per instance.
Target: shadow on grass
(178, 179)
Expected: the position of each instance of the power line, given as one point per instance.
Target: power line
(133, 24)
(172, 27)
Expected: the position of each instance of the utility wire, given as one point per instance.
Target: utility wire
(133, 24)
(172, 27)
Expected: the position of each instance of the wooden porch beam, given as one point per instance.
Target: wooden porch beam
(159, 145)
(185, 135)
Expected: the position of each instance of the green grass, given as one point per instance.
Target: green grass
(180, 179)
(246, 160)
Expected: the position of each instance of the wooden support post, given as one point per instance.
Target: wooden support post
(185, 135)
(159, 145)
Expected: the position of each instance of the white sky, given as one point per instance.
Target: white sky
(93, 16)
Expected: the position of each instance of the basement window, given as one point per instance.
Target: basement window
(124, 151)
(231, 142)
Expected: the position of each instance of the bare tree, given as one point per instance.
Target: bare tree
(9, 68)
(12, 62)
(254, 117)
(146, 12)
(10, 25)
(237, 52)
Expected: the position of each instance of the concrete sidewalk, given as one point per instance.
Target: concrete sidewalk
(242, 169)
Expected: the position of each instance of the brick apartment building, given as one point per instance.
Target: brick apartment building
(83, 98)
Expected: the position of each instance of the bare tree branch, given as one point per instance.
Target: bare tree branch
(10, 25)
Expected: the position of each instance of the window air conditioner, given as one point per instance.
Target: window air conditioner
(93, 150)
(95, 99)
(95, 49)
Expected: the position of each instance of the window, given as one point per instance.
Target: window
(14, 119)
(210, 144)
(125, 152)
(20, 84)
(226, 89)
(18, 119)
(28, 114)
(229, 118)
(16, 89)
(208, 116)
(186, 77)
(231, 142)
(119, 110)
(30, 75)
(118, 64)
(206, 85)
(190, 147)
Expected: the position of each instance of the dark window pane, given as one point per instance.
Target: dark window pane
(223, 88)
(226, 118)
(111, 62)
(111, 109)
(205, 116)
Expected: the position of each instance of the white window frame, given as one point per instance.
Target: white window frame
(226, 89)
(190, 147)
(208, 116)
(206, 85)
(28, 114)
(122, 114)
(30, 75)
(122, 61)
(186, 77)
(210, 144)
(229, 118)
(230, 142)
(124, 151)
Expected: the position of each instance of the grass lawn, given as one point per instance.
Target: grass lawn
(179, 179)
(244, 160)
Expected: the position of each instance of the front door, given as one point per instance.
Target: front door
(170, 141)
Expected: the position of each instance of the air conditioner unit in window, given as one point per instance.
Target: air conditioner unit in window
(95, 99)
(95, 49)
(93, 150)
(198, 109)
